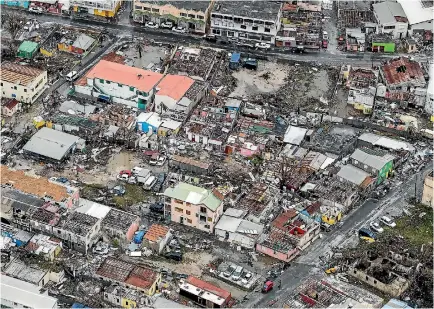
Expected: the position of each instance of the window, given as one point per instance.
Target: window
(238, 20)
(120, 85)
(203, 209)
(126, 303)
(131, 88)
(25, 90)
(255, 28)
(355, 271)
(230, 33)
(243, 27)
(216, 31)
(187, 204)
(242, 35)
(108, 82)
(189, 221)
(1, 84)
(137, 7)
(209, 219)
(156, 10)
(58, 231)
(367, 278)
(375, 281)
(207, 226)
(177, 209)
(191, 15)
(199, 17)
(267, 30)
(146, 9)
(188, 212)
(117, 300)
(101, 81)
(179, 201)
(183, 14)
(15, 87)
(389, 27)
(202, 218)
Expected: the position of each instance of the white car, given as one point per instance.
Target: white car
(136, 170)
(123, 177)
(36, 10)
(387, 221)
(132, 180)
(262, 45)
(376, 227)
(161, 160)
(151, 25)
(166, 25)
(179, 29)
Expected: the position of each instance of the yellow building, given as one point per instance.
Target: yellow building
(362, 100)
(124, 297)
(192, 15)
(104, 8)
(331, 215)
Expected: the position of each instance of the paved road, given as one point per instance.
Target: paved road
(308, 264)
(125, 28)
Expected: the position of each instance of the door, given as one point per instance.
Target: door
(181, 220)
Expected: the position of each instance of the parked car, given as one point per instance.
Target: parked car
(159, 184)
(244, 44)
(367, 235)
(166, 25)
(237, 273)
(210, 37)
(176, 256)
(376, 227)
(127, 172)
(36, 10)
(157, 207)
(132, 180)
(161, 160)
(118, 190)
(268, 286)
(387, 221)
(179, 29)
(151, 25)
(263, 45)
(123, 177)
(154, 159)
(71, 76)
(229, 271)
(150, 183)
(136, 169)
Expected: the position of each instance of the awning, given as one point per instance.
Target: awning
(104, 97)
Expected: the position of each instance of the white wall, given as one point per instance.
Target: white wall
(163, 99)
(400, 30)
(27, 94)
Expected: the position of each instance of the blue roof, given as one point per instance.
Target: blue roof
(235, 57)
(396, 304)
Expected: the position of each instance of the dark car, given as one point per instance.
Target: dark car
(157, 207)
(160, 181)
(176, 256)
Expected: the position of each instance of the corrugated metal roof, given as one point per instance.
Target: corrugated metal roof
(387, 11)
(194, 195)
(353, 174)
(83, 42)
(371, 160)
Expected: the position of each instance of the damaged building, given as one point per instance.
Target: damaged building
(402, 75)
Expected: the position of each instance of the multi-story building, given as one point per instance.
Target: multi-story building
(194, 206)
(257, 21)
(118, 83)
(22, 82)
(192, 15)
(104, 8)
(391, 18)
(428, 190)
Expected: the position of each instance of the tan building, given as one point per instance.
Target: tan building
(428, 196)
(104, 8)
(192, 15)
(22, 82)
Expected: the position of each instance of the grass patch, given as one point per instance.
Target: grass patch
(133, 195)
(415, 229)
(89, 191)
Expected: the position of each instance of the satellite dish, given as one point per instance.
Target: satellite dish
(71, 112)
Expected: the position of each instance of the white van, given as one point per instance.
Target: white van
(237, 273)
(71, 76)
(150, 183)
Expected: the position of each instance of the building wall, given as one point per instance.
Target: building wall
(428, 191)
(10, 112)
(20, 3)
(399, 30)
(26, 94)
(191, 215)
(394, 289)
(234, 29)
(163, 100)
(160, 13)
(388, 47)
(107, 8)
(285, 257)
(133, 228)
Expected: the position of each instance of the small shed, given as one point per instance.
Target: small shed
(27, 49)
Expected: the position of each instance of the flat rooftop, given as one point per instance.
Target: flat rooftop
(265, 10)
(188, 5)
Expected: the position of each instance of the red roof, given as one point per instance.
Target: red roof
(175, 86)
(156, 232)
(11, 104)
(122, 74)
(413, 71)
(284, 218)
(209, 287)
(141, 277)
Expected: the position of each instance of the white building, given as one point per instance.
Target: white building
(257, 21)
(391, 19)
(22, 82)
(113, 82)
(171, 89)
(20, 294)
(420, 15)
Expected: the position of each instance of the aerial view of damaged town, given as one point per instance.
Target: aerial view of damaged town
(217, 154)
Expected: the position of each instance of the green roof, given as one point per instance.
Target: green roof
(194, 195)
(28, 47)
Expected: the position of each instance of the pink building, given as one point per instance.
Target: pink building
(194, 206)
(290, 233)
